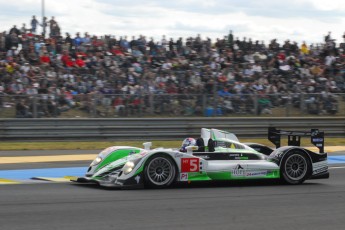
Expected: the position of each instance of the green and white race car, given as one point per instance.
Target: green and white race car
(216, 155)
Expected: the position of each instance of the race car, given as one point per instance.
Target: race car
(216, 155)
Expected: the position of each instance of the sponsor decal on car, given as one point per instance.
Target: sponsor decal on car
(190, 164)
(315, 132)
(256, 173)
(317, 139)
(238, 171)
(178, 155)
(108, 150)
(241, 158)
(320, 170)
(119, 182)
(137, 179)
(183, 176)
(204, 157)
(131, 152)
(143, 153)
(320, 167)
(241, 171)
(238, 156)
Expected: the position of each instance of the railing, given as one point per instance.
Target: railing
(170, 105)
(158, 128)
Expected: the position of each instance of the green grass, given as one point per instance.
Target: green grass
(74, 145)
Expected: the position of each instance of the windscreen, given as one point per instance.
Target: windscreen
(217, 134)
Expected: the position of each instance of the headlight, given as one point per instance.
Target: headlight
(128, 167)
(96, 161)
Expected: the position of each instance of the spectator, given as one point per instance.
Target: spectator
(45, 59)
(232, 69)
(119, 106)
(3, 41)
(22, 109)
(23, 29)
(224, 92)
(44, 26)
(55, 30)
(34, 22)
(14, 30)
(77, 40)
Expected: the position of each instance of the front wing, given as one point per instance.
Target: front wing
(113, 181)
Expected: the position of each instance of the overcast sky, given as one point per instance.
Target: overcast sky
(296, 20)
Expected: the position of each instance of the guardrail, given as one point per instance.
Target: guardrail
(157, 128)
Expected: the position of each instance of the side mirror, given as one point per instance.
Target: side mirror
(147, 145)
(190, 149)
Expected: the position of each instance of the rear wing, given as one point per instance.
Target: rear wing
(294, 137)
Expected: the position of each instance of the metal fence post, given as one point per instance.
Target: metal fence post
(34, 106)
(288, 105)
(94, 105)
(256, 103)
(204, 102)
(302, 104)
(151, 103)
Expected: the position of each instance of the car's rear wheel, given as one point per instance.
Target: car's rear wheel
(295, 167)
(160, 171)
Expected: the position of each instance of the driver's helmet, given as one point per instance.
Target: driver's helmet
(187, 142)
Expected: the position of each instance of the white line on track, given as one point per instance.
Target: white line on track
(337, 167)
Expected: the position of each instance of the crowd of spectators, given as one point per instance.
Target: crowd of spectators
(169, 75)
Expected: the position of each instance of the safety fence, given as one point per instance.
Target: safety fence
(157, 128)
(170, 105)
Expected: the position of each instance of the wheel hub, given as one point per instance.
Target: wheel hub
(159, 171)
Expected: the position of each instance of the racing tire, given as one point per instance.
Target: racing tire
(160, 171)
(295, 167)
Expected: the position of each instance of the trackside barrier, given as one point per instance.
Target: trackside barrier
(157, 128)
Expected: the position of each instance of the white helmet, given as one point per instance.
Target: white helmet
(187, 142)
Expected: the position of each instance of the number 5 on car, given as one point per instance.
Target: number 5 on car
(190, 164)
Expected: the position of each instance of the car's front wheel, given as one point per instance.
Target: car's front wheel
(295, 167)
(160, 171)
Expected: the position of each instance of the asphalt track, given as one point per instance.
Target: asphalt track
(316, 204)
